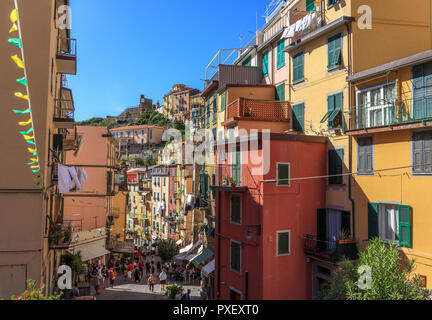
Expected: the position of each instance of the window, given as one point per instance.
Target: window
(298, 67)
(422, 152)
(280, 54)
(265, 64)
(331, 3)
(335, 162)
(390, 222)
(223, 101)
(334, 51)
(151, 134)
(236, 165)
(330, 225)
(280, 92)
(247, 62)
(283, 174)
(375, 106)
(364, 155)
(236, 208)
(235, 253)
(298, 117)
(283, 243)
(334, 110)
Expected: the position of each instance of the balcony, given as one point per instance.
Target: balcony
(161, 171)
(60, 237)
(64, 110)
(330, 250)
(66, 56)
(261, 110)
(390, 115)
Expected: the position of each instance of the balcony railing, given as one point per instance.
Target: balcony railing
(390, 113)
(64, 110)
(259, 110)
(67, 55)
(330, 250)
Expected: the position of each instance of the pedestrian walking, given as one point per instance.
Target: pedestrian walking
(137, 275)
(158, 265)
(186, 296)
(76, 292)
(129, 276)
(96, 280)
(151, 282)
(163, 277)
(112, 274)
(147, 267)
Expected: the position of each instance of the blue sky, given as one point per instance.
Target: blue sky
(131, 47)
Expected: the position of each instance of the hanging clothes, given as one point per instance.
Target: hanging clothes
(74, 176)
(64, 179)
(82, 175)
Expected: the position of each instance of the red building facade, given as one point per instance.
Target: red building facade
(262, 219)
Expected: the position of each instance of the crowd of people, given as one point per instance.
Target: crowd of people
(142, 268)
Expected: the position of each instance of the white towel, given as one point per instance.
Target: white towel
(74, 176)
(64, 179)
(82, 176)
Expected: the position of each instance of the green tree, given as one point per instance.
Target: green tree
(139, 161)
(392, 277)
(167, 250)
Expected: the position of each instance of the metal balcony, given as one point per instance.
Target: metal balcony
(387, 114)
(64, 110)
(330, 250)
(66, 55)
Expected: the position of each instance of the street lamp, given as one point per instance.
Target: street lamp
(249, 234)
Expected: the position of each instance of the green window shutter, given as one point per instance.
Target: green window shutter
(310, 5)
(265, 64)
(298, 117)
(334, 50)
(280, 92)
(405, 226)
(283, 173)
(298, 67)
(338, 101)
(223, 101)
(280, 54)
(373, 220)
(321, 224)
(331, 103)
(335, 166)
(235, 208)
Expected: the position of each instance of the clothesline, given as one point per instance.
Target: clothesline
(69, 174)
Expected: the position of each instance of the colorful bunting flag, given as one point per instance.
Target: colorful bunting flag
(14, 15)
(26, 132)
(18, 61)
(26, 122)
(22, 96)
(22, 81)
(14, 28)
(32, 150)
(28, 137)
(22, 112)
(36, 171)
(16, 42)
(31, 142)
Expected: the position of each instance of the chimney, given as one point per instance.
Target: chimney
(259, 37)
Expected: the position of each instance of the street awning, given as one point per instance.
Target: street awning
(203, 257)
(180, 256)
(186, 249)
(190, 257)
(90, 251)
(208, 268)
(179, 242)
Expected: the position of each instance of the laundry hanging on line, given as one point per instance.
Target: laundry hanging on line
(69, 174)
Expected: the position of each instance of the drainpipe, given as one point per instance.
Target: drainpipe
(350, 184)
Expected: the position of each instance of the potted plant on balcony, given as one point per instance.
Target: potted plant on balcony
(233, 182)
(344, 237)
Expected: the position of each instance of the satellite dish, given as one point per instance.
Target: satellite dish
(80, 145)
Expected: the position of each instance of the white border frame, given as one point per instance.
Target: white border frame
(277, 243)
(289, 174)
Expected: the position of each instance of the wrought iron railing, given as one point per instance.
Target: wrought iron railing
(331, 250)
(66, 47)
(390, 112)
(260, 109)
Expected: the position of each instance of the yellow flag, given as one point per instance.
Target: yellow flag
(18, 61)
(34, 167)
(28, 137)
(26, 122)
(14, 15)
(20, 95)
(14, 28)
(35, 159)
(31, 150)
